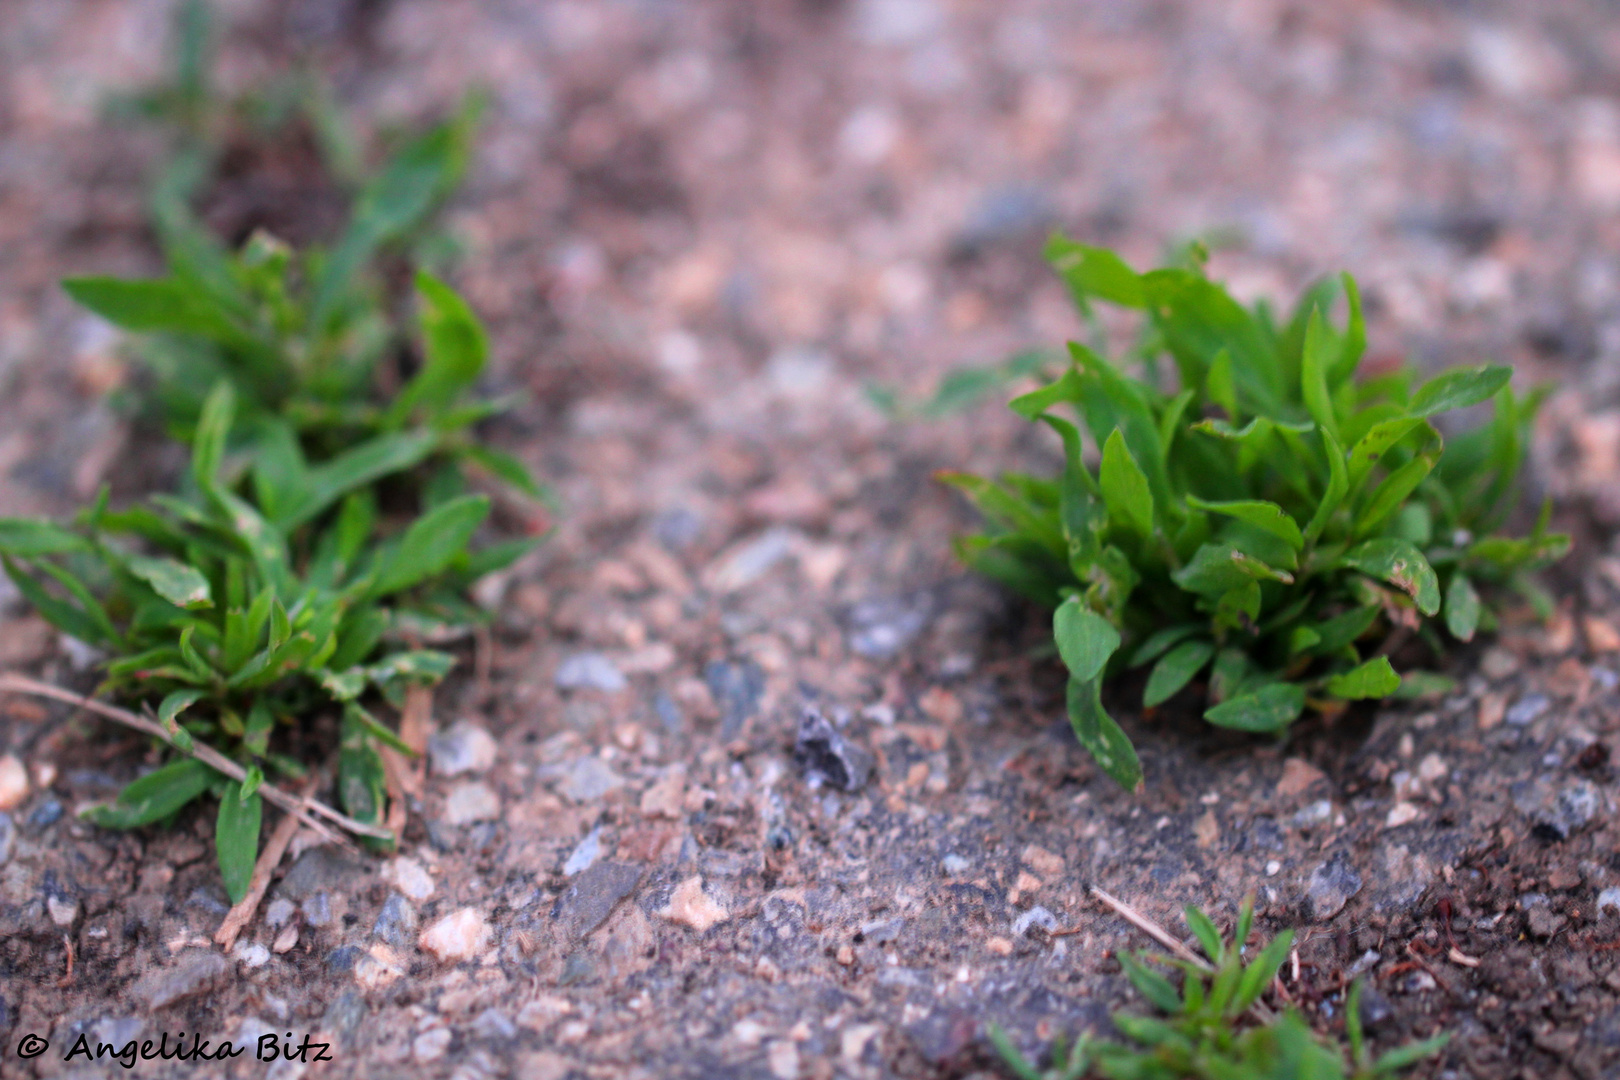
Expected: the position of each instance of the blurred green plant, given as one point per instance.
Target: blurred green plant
(238, 616)
(1263, 515)
(1204, 1034)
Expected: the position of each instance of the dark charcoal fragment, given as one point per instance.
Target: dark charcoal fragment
(827, 757)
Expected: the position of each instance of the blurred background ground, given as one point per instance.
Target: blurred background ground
(697, 231)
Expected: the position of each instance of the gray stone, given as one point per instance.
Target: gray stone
(463, 748)
(46, 814)
(827, 757)
(1608, 901)
(589, 779)
(593, 896)
(195, 972)
(678, 528)
(736, 687)
(589, 671)
(320, 869)
(1527, 709)
(471, 801)
(588, 851)
(344, 1016)
(279, 912)
(494, 1025)
(1375, 1007)
(1035, 916)
(317, 909)
(8, 836)
(880, 628)
(341, 960)
(1331, 886)
(396, 922)
(1557, 808)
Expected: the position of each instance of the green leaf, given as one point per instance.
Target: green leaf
(1392, 493)
(1204, 930)
(1101, 736)
(1370, 680)
(1314, 365)
(1153, 986)
(507, 469)
(1462, 608)
(66, 617)
(179, 584)
(236, 839)
(1093, 271)
(1263, 515)
(213, 428)
(1159, 641)
(431, 543)
(1400, 564)
(356, 468)
(1341, 630)
(1402, 1056)
(1458, 389)
(154, 796)
(1259, 973)
(1175, 670)
(22, 538)
(1338, 486)
(1271, 708)
(1216, 569)
(1085, 639)
(1424, 686)
(1125, 487)
(160, 306)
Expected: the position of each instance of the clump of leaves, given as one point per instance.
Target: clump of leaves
(1205, 1035)
(1255, 510)
(239, 620)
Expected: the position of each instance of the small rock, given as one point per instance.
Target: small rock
(1331, 886)
(882, 931)
(345, 1015)
(1544, 922)
(827, 757)
(396, 922)
(46, 814)
(588, 851)
(746, 561)
(589, 671)
(285, 940)
(494, 1025)
(691, 906)
(736, 687)
(1317, 813)
(590, 779)
(458, 936)
(196, 971)
(1043, 862)
(1555, 808)
(1035, 916)
(279, 911)
(431, 1044)
(320, 869)
(880, 628)
(410, 878)
(955, 865)
(1609, 901)
(593, 896)
(317, 909)
(665, 797)
(8, 836)
(1402, 813)
(64, 911)
(463, 748)
(1375, 1007)
(13, 783)
(341, 960)
(1498, 664)
(1298, 775)
(1527, 709)
(251, 953)
(471, 801)
(1433, 768)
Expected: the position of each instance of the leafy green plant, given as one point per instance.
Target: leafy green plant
(262, 595)
(1204, 1034)
(1253, 510)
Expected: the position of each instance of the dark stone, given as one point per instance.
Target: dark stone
(344, 1016)
(593, 896)
(396, 922)
(320, 869)
(669, 714)
(8, 836)
(1331, 886)
(827, 757)
(678, 528)
(196, 972)
(736, 687)
(1263, 835)
(341, 960)
(1375, 1007)
(1556, 808)
(46, 814)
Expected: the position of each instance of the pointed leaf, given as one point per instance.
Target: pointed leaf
(1458, 389)
(1462, 608)
(1204, 930)
(1400, 564)
(1371, 680)
(432, 541)
(1125, 487)
(236, 839)
(1314, 365)
(1263, 515)
(1175, 670)
(154, 796)
(1085, 639)
(1101, 736)
(1271, 708)
(179, 584)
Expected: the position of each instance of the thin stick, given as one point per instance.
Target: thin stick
(1171, 942)
(242, 912)
(303, 808)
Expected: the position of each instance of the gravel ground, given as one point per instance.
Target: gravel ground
(760, 783)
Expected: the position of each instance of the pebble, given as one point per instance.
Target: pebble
(1527, 709)
(195, 972)
(463, 748)
(826, 757)
(589, 671)
(1035, 916)
(396, 922)
(409, 877)
(1609, 900)
(1331, 886)
(1556, 808)
(471, 801)
(880, 628)
(46, 814)
(736, 687)
(955, 865)
(458, 936)
(251, 953)
(749, 560)
(690, 906)
(666, 797)
(13, 783)
(593, 896)
(494, 1025)
(590, 779)
(1317, 813)
(317, 909)
(320, 869)
(279, 911)
(588, 851)
(1498, 664)
(431, 1044)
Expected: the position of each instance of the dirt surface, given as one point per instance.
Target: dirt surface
(696, 231)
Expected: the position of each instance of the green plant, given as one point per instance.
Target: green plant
(1204, 1035)
(1255, 510)
(240, 617)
